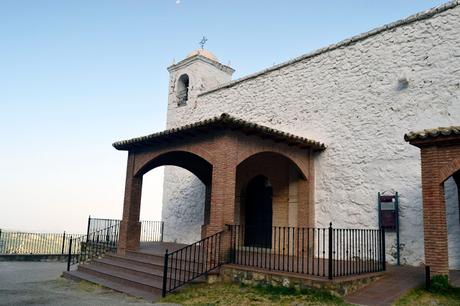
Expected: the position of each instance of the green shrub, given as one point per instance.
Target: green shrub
(439, 283)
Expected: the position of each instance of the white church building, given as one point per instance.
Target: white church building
(358, 97)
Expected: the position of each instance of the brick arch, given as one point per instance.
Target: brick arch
(191, 160)
(449, 170)
(301, 167)
(277, 168)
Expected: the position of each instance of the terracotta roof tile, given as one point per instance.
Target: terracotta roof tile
(223, 121)
(429, 134)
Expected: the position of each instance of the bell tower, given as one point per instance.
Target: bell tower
(198, 72)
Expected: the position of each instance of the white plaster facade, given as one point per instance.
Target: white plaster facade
(359, 97)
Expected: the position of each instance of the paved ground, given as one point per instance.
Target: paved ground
(39, 283)
(397, 282)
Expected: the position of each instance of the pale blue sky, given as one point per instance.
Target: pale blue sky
(76, 76)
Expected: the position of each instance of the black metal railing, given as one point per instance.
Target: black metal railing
(97, 224)
(192, 261)
(150, 230)
(94, 245)
(25, 243)
(101, 240)
(324, 252)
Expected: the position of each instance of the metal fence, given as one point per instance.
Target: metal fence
(34, 243)
(103, 236)
(190, 262)
(324, 252)
(94, 245)
(150, 230)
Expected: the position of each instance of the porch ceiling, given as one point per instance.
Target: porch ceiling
(224, 121)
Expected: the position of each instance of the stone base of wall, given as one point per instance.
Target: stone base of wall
(34, 257)
(252, 276)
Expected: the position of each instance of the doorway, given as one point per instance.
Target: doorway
(259, 213)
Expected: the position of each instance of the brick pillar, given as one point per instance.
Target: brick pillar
(306, 208)
(222, 208)
(130, 227)
(207, 209)
(434, 214)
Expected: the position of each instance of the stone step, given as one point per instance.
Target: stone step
(146, 263)
(154, 272)
(123, 278)
(151, 295)
(159, 260)
(146, 257)
(134, 266)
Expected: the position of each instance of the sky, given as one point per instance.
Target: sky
(75, 76)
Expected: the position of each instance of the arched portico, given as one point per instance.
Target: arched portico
(440, 151)
(292, 205)
(220, 151)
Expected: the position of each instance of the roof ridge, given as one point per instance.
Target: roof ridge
(346, 42)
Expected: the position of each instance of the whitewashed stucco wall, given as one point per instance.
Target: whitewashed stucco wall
(349, 98)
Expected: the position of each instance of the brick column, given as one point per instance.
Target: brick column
(222, 208)
(434, 214)
(306, 208)
(130, 227)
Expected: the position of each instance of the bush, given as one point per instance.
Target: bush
(440, 283)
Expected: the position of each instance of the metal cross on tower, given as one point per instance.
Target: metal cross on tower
(203, 42)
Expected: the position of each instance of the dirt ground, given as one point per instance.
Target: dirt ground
(39, 283)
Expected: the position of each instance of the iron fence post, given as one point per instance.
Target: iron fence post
(165, 274)
(330, 272)
(162, 230)
(383, 250)
(87, 228)
(70, 254)
(427, 278)
(63, 243)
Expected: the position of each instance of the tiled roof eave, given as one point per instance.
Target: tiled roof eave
(223, 121)
(439, 134)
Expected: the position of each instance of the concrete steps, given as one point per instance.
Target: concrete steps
(138, 274)
(79, 276)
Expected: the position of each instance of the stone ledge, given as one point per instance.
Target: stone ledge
(254, 276)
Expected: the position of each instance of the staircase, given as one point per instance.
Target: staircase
(138, 273)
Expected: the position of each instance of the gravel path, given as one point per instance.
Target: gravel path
(39, 283)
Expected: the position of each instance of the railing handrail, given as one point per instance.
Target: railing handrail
(95, 224)
(110, 244)
(97, 232)
(96, 243)
(209, 258)
(305, 227)
(320, 251)
(196, 242)
(33, 243)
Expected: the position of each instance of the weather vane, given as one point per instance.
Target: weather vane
(203, 42)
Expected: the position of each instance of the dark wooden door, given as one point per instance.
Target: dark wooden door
(259, 212)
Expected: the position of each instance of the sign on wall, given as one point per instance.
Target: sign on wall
(389, 215)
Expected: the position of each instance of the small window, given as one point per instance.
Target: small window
(182, 90)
